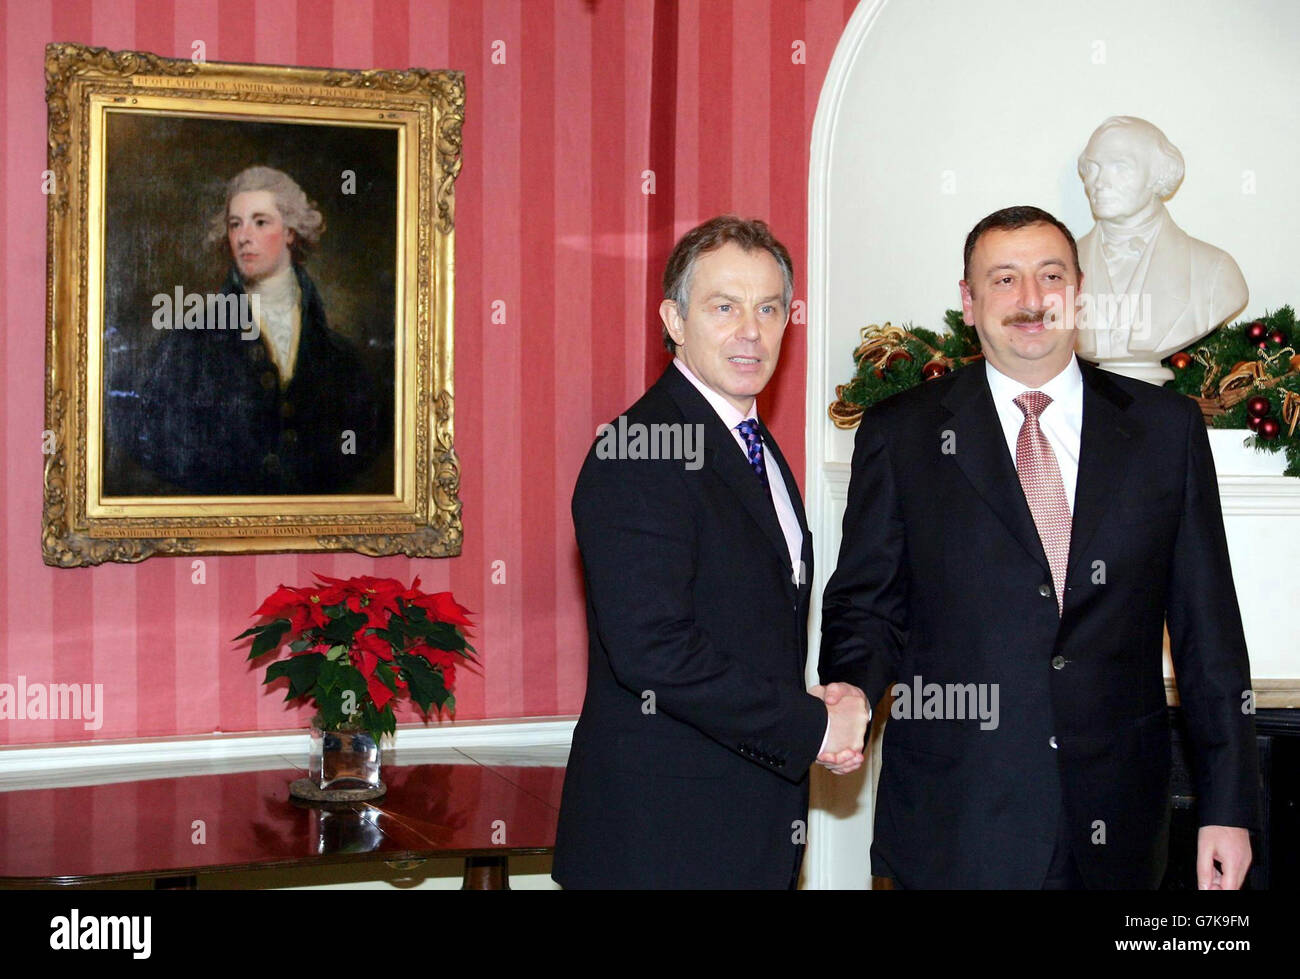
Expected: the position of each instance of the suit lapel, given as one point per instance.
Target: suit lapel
(980, 451)
(1104, 455)
(727, 459)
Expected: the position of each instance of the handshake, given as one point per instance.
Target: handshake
(846, 733)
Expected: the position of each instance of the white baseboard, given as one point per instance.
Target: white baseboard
(94, 762)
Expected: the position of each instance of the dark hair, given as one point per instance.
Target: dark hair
(749, 235)
(1009, 219)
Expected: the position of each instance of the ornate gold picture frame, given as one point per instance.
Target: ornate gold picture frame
(249, 309)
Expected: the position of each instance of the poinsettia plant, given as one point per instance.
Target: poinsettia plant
(357, 645)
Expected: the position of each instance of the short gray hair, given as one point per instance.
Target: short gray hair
(1168, 167)
(299, 213)
(750, 235)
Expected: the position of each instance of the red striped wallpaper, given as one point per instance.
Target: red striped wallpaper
(716, 97)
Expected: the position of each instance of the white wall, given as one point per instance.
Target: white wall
(937, 112)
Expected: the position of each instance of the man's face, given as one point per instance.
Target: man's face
(730, 337)
(1018, 278)
(258, 238)
(1117, 174)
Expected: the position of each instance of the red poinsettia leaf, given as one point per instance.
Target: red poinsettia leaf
(444, 608)
(379, 693)
(279, 603)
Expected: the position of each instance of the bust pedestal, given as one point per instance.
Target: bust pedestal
(1141, 370)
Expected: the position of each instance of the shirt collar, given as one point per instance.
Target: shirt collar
(730, 416)
(1064, 386)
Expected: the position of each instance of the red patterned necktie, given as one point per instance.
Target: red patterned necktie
(1044, 491)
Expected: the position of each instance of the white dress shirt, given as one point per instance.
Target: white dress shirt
(1061, 421)
(280, 301)
(731, 417)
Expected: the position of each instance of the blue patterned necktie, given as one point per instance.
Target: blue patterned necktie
(748, 430)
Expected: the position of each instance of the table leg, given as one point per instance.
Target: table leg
(187, 882)
(486, 874)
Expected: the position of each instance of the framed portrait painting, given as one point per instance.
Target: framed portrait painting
(249, 325)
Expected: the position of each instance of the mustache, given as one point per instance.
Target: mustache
(1018, 319)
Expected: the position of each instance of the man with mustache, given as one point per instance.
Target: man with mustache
(689, 766)
(1025, 527)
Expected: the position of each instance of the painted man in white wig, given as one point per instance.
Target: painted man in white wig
(292, 412)
(1154, 289)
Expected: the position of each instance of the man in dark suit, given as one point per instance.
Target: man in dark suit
(689, 763)
(1017, 535)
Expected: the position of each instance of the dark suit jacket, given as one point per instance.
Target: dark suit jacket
(941, 575)
(209, 415)
(691, 607)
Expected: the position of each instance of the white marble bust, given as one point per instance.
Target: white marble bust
(1149, 287)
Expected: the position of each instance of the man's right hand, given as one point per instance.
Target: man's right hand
(846, 707)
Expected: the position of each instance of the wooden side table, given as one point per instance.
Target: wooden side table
(165, 832)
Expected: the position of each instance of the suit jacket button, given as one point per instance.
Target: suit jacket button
(268, 380)
(1045, 590)
(1058, 662)
(1052, 741)
(286, 409)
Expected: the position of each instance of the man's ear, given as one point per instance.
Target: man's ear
(967, 315)
(672, 321)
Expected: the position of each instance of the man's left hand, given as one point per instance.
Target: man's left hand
(1229, 846)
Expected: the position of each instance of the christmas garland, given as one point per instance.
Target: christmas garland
(1246, 375)
(893, 358)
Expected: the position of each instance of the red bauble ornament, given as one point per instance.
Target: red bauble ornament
(1269, 429)
(1181, 361)
(1258, 406)
(1277, 338)
(898, 357)
(1252, 421)
(1263, 344)
(1256, 332)
(935, 368)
